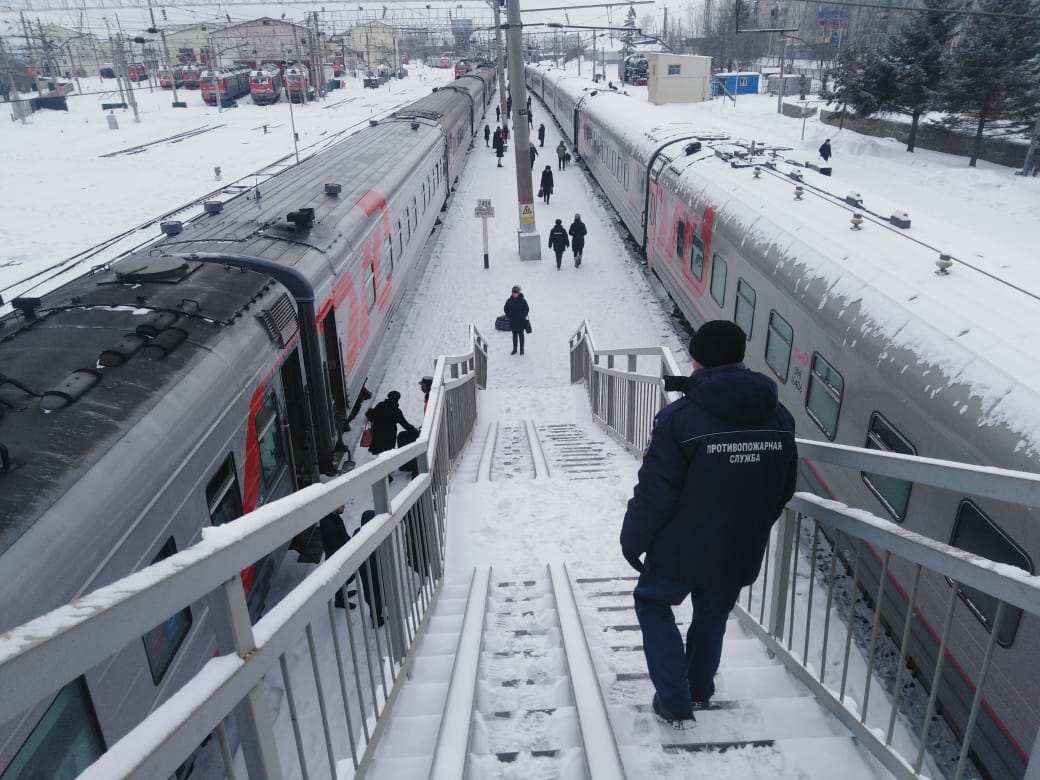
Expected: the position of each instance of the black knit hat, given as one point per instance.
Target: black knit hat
(393, 395)
(718, 343)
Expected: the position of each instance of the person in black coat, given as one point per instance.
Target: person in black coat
(499, 145)
(541, 135)
(534, 153)
(720, 467)
(825, 150)
(558, 241)
(577, 233)
(487, 135)
(385, 417)
(498, 113)
(545, 186)
(516, 310)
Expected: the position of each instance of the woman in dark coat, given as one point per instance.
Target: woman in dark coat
(516, 310)
(558, 241)
(545, 186)
(487, 135)
(577, 233)
(499, 144)
(385, 416)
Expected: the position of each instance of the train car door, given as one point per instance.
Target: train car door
(297, 418)
(334, 368)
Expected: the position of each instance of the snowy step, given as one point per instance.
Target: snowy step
(419, 698)
(512, 457)
(735, 653)
(574, 452)
(563, 765)
(410, 736)
(732, 684)
(806, 759)
(543, 729)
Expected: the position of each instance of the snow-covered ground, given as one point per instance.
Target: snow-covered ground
(62, 196)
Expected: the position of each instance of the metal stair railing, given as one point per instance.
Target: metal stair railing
(403, 544)
(850, 535)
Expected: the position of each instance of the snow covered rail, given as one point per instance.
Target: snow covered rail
(949, 616)
(392, 569)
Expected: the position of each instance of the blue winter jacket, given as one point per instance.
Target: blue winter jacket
(720, 465)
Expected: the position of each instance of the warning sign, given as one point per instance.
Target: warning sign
(526, 213)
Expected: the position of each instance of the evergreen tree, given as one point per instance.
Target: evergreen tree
(994, 70)
(855, 82)
(628, 36)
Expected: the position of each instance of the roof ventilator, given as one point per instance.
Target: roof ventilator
(944, 263)
(172, 228)
(857, 221)
(301, 219)
(757, 173)
(280, 321)
(155, 323)
(900, 219)
(333, 189)
(163, 344)
(373, 122)
(72, 389)
(692, 148)
(854, 199)
(27, 306)
(213, 206)
(122, 350)
(799, 191)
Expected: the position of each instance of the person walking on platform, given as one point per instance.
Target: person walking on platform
(528, 104)
(509, 105)
(577, 233)
(719, 468)
(499, 145)
(561, 154)
(545, 186)
(541, 135)
(487, 135)
(558, 241)
(534, 153)
(516, 309)
(498, 114)
(825, 150)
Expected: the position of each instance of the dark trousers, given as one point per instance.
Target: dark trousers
(518, 338)
(559, 257)
(681, 675)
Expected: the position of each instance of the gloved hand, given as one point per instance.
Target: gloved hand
(633, 560)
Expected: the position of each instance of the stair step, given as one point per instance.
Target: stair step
(733, 684)
(421, 698)
(496, 698)
(410, 737)
(432, 668)
(533, 730)
(415, 768)
(554, 765)
(439, 644)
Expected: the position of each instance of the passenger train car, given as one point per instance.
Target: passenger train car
(227, 83)
(194, 380)
(870, 346)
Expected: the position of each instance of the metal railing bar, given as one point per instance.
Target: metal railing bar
(878, 602)
(342, 675)
(602, 757)
(358, 685)
(976, 702)
(452, 748)
(794, 578)
(934, 688)
(1007, 583)
(765, 578)
(852, 619)
(831, 579)
(293, 717)
(812, 588)
(375, 575)
(320, 690)
(225, 753)
(904, 647)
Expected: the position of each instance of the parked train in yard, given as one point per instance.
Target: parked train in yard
(265, 85)
(869, 347)
(194, 380)
(222, 84)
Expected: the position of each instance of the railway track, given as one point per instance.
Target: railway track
(145, 233)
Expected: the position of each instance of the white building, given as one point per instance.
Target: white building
(678, 78)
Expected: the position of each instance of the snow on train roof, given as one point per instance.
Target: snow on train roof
(978, 325)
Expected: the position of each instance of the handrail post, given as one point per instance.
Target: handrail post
(630, 415)
(390, 567)
(782, 562)
(230, 616)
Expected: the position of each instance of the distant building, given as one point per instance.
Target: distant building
(266, 40)
(191, 44)
(739, 83)
(376, 43)
(678, 78)
(71, 53)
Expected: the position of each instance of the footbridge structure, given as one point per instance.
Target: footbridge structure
(485, 673)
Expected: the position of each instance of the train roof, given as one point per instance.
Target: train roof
(977, 325)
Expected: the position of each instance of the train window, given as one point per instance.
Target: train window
(387, 261)
(370, 286)
(163, 641)
(697, 258)
(976, 533)
(415, 217)
(719, 268)
(222, 496)
(779, 341)
(680, 239)
(894, 493)
(395, 251)
(823, 400)
(744, 313)
(269, 437)
(66, 740)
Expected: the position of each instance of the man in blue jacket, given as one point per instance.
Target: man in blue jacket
(719, 468)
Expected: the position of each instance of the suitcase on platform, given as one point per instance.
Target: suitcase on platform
(502, 322)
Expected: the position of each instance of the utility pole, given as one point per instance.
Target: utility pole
(527, 236)
(123, 70)
(1032, 152)
(783, 82)
(501, 62)
(166, 52)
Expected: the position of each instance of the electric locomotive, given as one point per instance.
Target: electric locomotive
(192, 381)
(224, 84)
(869, 346)
(265, 85)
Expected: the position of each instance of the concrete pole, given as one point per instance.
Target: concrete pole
(501, 63)
(780, 87)
(530, 243)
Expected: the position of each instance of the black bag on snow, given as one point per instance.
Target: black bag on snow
(502, 322)
(527, 326)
